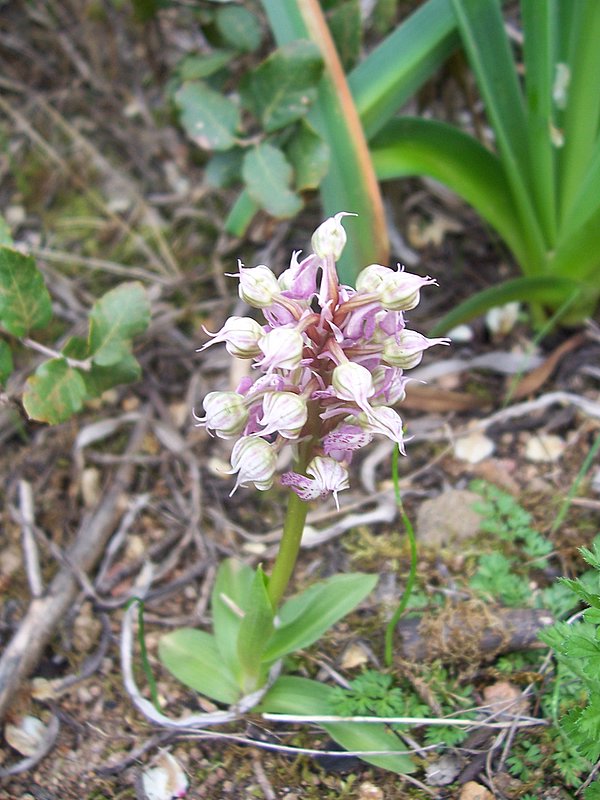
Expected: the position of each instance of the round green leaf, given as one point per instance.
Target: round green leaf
(201, 65)
(24, 299)
(283, 88)
(268, 175)
(239, 27)
(209, 119)
(54, 392)
(309, 154)
(114, 320)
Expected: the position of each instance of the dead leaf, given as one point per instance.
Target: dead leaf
(26, 735)
(432, 399)
(535, 379)
(475, 791)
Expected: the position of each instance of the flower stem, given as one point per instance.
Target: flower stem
(288, 548)
(391, 626)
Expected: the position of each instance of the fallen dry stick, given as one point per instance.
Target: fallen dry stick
(45, 612)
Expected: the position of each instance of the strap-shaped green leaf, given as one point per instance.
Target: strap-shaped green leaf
(254, 633)
(6, 362)
(229, 600)
(24, 299)
(54, 392)
(304, 618)
(209, 119)
(413, 146)
(395, 70)
(292, 695)
(114, 320)
(193, 658)
(268, 176)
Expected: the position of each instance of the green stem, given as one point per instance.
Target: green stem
(412, 575)
(288, 548)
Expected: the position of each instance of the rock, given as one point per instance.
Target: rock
(545, 447)
(473, 448)
(355, 655)
(444, 770)
(450, 516)
(505, 696)
(368, 791)
(475, 791)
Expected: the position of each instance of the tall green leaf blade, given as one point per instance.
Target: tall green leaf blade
(281, 89)
(482, 30)
(193, 658)
(305, 617)
(115, 319)
(545, 290)
(539, 27)
(350, 184)
(292, 695)
(209, 119)
(24, 299)
(578, 254)
(54, 392)
(587, 199)
(268, 175)
(230, 593)
(6, 362)
(402, 63)
(582, 114)
(412, 146)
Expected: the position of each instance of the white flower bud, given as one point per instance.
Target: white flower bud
(330, 237)
(254, 460)
(282, 349)
(258, 286)
(241, 335)
(284, 413)
(397, 291)
(226, 414)
(406, 350)
(351, 381)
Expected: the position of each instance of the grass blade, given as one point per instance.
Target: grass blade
(540, 289)
(539, 21)
(582, 114)
(416, 49)
(482, 30)
(412, 146)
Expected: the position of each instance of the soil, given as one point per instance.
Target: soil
(94, 158)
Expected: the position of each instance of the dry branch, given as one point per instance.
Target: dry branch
(37, 627)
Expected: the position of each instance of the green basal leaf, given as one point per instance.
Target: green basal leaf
(24, 299)
(209, 119)
(413, 146)
(544, 290)
(292, 695)
(193, 658)
(6, 239)
(114, 320)
(309, 155)
(281, 89)
(6, 362)
(346, 28)
(268, 175)
(224, 168)
(239, 27)
(54, 392)
(254, 633)
(305, 617)
(229, 600)
(194, 67)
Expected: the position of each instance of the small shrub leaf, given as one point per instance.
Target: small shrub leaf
(209, 119)
(268, 175)
(309, 155)
(239, 27)
(24, 299)
(54, 392)
(114, 319)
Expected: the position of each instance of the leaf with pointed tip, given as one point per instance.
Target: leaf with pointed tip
(24, 299)
(201, 65)
(209, 119)
(54, 392)
(114, 320)
(268, 175)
